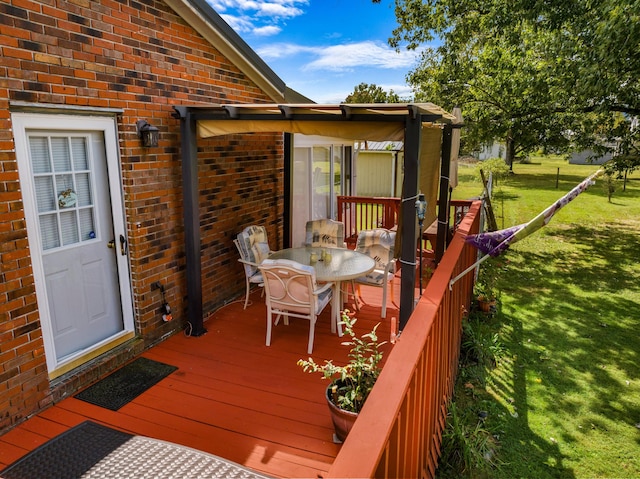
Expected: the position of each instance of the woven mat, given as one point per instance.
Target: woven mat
(93, 451)
(68, 455)
(125, 384)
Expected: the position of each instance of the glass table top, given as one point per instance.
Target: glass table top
(343, 263)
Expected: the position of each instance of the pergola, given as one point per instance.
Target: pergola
(373, 122)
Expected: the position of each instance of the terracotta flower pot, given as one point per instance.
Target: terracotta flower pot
(485, 305)
(342, 420)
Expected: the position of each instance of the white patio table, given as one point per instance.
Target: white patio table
(343, 265)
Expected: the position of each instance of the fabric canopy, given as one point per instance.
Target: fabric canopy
(374, 131)
(430, 151)
(455, 148)
(431, 140)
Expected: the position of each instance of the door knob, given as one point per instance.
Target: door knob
(111, 244)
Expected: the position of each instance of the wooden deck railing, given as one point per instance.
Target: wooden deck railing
(360, 213)
(399, 431)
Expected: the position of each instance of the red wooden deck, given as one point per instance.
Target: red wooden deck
(231, 396)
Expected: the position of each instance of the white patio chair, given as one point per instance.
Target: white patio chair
(379, 244)
(291, 291)
(253, 247)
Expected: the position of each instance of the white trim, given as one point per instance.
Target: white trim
(28, 107)
(23, 121)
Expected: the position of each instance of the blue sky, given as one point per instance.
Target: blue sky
(323, 48)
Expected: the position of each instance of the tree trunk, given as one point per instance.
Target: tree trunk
(511, 151)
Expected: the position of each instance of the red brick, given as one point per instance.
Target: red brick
(151, 177)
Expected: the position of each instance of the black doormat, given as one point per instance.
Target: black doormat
(126, 383)
(68, 455)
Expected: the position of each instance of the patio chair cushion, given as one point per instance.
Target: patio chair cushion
(299, 290)
(255, 248)
(376, 277)
(292, 291)
(379, 244)
(325, 232)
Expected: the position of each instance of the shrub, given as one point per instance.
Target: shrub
(496, 166)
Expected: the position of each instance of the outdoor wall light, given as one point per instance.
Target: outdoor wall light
(421, 208)
(147, 133)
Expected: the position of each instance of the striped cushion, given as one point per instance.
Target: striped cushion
(255, 247)
(378, 244)
(324, 232)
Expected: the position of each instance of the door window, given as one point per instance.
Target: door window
(63, 189)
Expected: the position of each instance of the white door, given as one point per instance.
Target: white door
(79, 248)
(318, 179)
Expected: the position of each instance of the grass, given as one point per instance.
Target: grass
(562, 399)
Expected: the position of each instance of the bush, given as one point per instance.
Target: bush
(496, 166)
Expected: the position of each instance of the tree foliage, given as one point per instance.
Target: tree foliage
(552, 74)
(371, 93)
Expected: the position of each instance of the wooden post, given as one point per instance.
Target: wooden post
(491, 217)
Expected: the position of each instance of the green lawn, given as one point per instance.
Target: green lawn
(563, 399)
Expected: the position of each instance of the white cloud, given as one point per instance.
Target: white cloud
(368, 53)
(281, 50)
(239, 24)
(343, 57)
(267, 30)
(265, 8)
(259, 17)
(276, 10)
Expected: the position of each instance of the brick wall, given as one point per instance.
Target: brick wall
(142, 58)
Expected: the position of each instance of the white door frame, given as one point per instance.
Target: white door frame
(23, 121)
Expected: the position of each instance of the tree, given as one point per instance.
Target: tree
(365, 93)
(553, 74)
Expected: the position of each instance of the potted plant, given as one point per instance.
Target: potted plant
(485, 296)
(350, 384)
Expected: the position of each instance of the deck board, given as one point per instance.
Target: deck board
(231, 396)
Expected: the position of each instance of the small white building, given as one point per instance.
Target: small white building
(584, 158)
(378, 168)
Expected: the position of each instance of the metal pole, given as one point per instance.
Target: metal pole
(412, 131)
(191, 215)
(420, 258)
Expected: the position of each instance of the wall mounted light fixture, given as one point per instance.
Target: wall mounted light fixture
(147, 133)
(421, 208)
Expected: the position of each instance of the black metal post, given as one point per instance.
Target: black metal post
(191, 215)
(412, 131)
